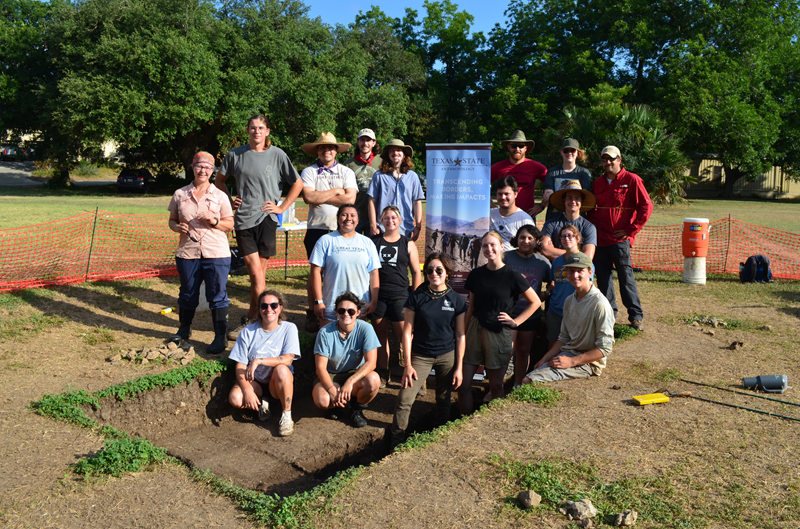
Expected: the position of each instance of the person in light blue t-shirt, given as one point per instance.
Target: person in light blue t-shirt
(395, 184)
(350, 263)
(346, 353)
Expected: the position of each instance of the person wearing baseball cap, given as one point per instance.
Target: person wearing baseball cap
(571, 153)
(623, 208)
(587, 330)
(571, 199)
(524, 170)
(364, 163)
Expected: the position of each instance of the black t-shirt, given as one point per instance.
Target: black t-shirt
(394, 266)
(434, 321)
(494, 291)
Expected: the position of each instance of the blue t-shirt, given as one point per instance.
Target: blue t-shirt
(254, 342)
(563, 288)
(536, 271)
(389, 191)
(347, 264)
(553, 226)
(345, 355)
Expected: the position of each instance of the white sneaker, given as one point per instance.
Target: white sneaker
(263, 411)
(286, 426)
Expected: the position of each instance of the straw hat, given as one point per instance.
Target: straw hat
(326, 138)
(407, 150)
(557, 199)
(518, 137)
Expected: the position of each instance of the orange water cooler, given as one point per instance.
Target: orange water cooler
(694, 244)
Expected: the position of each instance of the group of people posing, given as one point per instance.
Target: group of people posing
(364, 216)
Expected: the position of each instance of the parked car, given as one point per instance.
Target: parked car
(135, 180)
(8, 152)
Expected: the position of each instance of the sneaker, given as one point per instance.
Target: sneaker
(286, 426)
(233, 334)
(312, 322)
(263, 411)
(637, 324)
(359, 421)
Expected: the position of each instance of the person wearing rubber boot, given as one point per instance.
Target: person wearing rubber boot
(202, 215)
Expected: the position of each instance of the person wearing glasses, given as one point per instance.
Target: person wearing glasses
(571, 153)
(433, 339)
(571, 198)
(345, 356)
(264, 352)
(507, 218)
(202, 215)
(623, 208)
(524, 170)
(494, 289)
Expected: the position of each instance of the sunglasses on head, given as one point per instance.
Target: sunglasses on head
(341, 312)
(438, 270)
(273, 306)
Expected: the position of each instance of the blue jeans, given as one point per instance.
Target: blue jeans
(618, 256)
(193, 272)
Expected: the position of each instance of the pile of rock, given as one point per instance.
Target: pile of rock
(182, 354)
(579, 512)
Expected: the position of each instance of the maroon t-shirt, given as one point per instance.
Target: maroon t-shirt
(526, 173)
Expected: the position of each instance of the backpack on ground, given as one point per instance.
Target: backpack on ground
(755, 270)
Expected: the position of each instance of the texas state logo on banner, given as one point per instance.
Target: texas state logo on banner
(458, 189)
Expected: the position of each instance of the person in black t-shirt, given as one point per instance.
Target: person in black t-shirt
(433, 338)
(397, 255)
(493, 292)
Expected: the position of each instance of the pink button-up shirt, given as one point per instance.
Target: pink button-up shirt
(201, 241)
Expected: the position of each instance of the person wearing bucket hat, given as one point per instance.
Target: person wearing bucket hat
(395, 184)
(587, 330)
(623, 208)
(524, 170)
(571, 198)
(260, 169)
(202, 215)
(364, 163)
(327, 184)
(571, 153)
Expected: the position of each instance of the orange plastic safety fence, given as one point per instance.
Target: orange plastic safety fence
(102, 245)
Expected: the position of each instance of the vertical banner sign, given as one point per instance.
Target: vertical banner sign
(458, 189)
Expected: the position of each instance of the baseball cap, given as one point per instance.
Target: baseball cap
(570, 143)
(578, 260)
(611, 150)
(366, 132)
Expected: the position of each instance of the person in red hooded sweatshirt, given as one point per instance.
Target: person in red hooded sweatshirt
(623, 208)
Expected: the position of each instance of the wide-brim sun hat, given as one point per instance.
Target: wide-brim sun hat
(518, 137)
(397, 144)
(588, 200)
(326, 138)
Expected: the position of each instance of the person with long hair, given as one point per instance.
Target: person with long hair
(433, 339)
(264, 352)
(397, 255)
(395, 184)
(493, 291)
(571, 154)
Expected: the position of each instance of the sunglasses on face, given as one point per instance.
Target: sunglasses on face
(568, 151)
(439, 271)
(517, 145)
(273, 306)
(342, 312)
(609, 160)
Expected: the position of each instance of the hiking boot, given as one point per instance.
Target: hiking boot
(637, 324)
(219, 318)
(312, 322)
(185, 318)
(233, 334)
(357, 416)
(263, 411)
(286, 426)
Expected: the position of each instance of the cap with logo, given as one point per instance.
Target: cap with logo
(578, 260)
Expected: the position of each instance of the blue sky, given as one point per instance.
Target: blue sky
(486, 13)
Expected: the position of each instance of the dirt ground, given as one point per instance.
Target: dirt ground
(452, 483)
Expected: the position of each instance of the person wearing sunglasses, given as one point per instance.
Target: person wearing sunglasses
(202, 215)
(264, 352)
(494, 289)
(571, 154)
(345, 355)
(524, 170)
(433, 339)
(398, 255)
(571, 198)
(623, 208)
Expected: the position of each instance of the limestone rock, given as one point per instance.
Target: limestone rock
(172, 346)
(178, 354)
(626, 518)
(144, 360)
(765, 328)
(185, 361)
(114, 358)
(585, 522)
(131, 354)
(528, 499)
(152, 354)
(576, 510)
(708, 332)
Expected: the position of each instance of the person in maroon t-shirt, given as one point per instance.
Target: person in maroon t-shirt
(524, 170)
(623, 208)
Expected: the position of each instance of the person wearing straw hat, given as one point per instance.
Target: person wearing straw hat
(571, 153)
(364, 163)
(259, 169)
(327, 184)
(395, 184)
(524, 170)
(571, 199)
(623, 208)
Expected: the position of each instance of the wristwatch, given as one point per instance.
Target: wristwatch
(318, 302)
(216, 221)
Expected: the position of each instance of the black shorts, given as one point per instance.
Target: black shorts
(531, 324)
(311, 238)
(390, 307)
(260, 238)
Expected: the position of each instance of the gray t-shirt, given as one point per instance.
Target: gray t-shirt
(254, 342)
(259, 176)
(556, 176)
(323, 216)
(553, 226)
